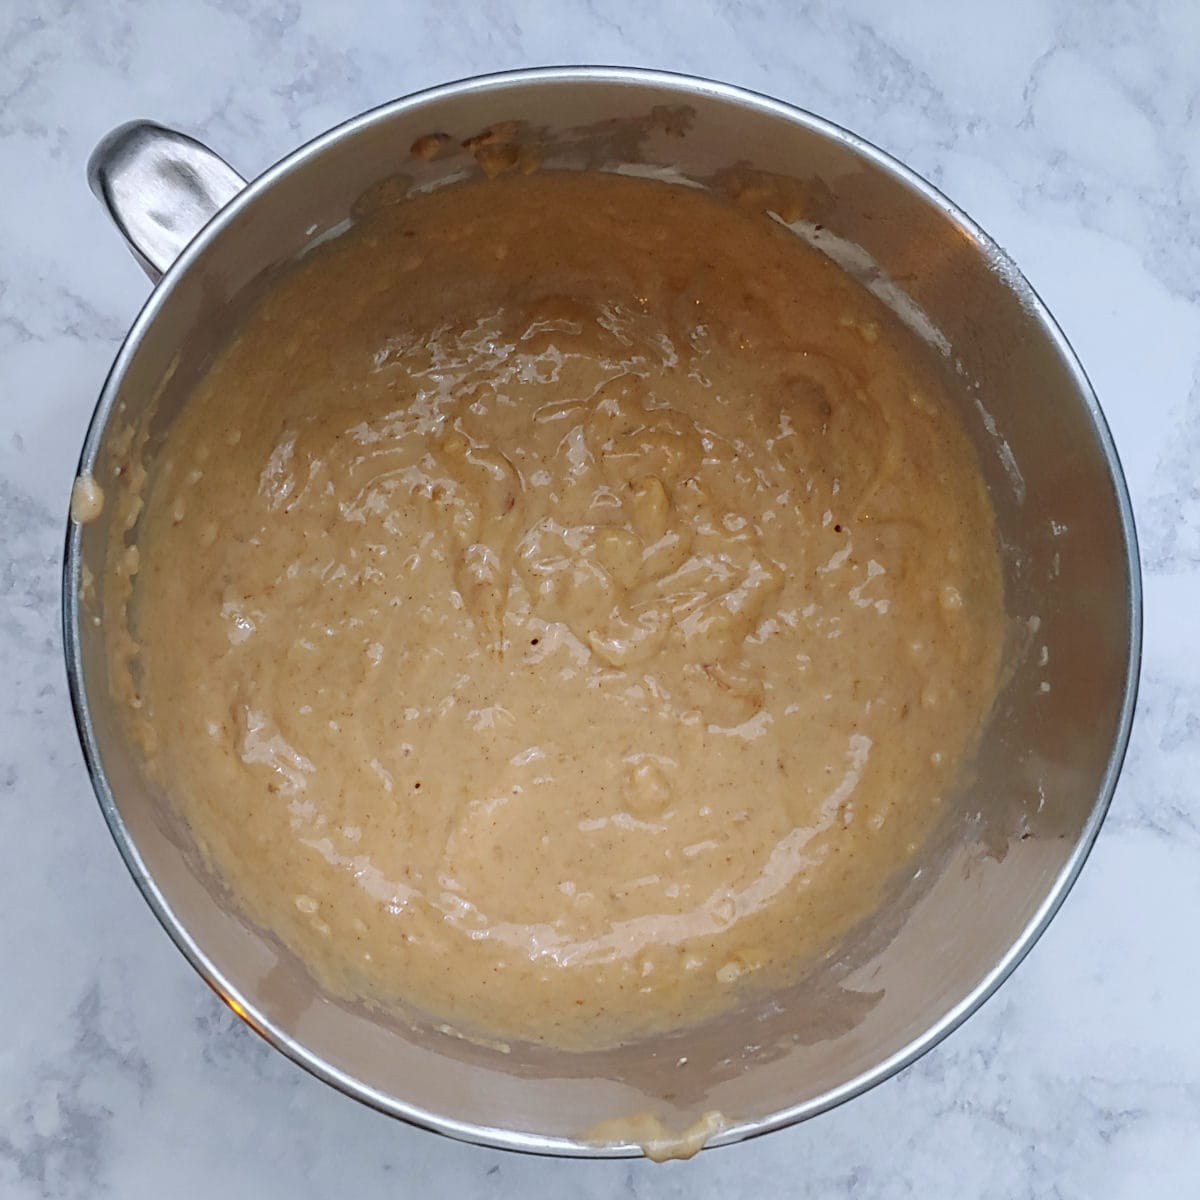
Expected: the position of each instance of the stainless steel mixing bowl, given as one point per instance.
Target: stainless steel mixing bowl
(1025, 816)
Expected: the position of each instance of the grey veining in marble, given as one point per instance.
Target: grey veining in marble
(1071, 130)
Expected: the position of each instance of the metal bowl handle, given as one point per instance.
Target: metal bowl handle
(160, 187)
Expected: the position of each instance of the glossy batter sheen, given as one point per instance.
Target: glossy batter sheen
(564, 606)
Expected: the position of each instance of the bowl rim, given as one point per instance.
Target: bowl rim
(684, 85)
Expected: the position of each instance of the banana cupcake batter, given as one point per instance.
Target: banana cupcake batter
(563, 607)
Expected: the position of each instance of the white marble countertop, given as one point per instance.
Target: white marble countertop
(1071, 131)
